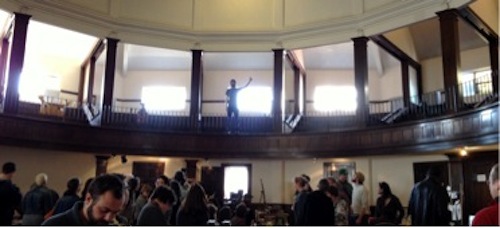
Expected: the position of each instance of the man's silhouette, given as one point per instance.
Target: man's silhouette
(232, 104)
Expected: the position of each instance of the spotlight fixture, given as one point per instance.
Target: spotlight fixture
(124, 159)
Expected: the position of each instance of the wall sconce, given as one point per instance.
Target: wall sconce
(463, 152)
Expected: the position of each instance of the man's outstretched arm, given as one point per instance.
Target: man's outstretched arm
(248, 83)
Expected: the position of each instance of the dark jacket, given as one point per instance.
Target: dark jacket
(298, 207)
(391, 213)
(38, 201)
(429, 204)
(10, 199)
(70, 217)
(192, 218)
(65, 203)
(318, 210)
(151, 215)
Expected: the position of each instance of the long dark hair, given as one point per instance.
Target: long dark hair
(386, 190)
(195, 201)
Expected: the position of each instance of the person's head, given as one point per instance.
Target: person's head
(384, 189)
(359, 178)
(146, 190)
(433, 172)
(247, 199)
(41, 179)
(73, 185)
(133, 183)
(494, 182)
(8, 169)
(343, 175)
(300, 183)
(212, 212)
(164, 198)
(232, 83)
(241, 210)
(86, 187)
(331, 181)
(180, 177)
(162, 181)
(196, 199)
(224, 214)
(104, 199)
(332, 192)
(323, 185)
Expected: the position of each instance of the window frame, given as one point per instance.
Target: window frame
(249, 168)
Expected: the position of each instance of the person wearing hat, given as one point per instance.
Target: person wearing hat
(359, 205)
(343, 180)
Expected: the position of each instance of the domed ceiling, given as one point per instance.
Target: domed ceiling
(230, 25)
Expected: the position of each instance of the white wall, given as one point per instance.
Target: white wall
(432, 69)
(403, 39)
(390, 84)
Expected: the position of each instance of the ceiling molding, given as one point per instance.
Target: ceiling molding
(328, 31)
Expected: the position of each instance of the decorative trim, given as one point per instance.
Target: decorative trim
(381, 19)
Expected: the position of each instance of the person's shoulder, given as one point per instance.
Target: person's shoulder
(63, 219)
(486, 216)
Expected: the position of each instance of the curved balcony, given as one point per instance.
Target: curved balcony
(477, 126)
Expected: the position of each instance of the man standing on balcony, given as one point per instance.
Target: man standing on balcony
(232, 104)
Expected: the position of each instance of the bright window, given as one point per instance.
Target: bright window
(169, 98)
(236, 178)
(255, 99)
(32, 85)
(335, 98)
(478, 82)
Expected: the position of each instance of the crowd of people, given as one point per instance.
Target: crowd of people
(338, 202)
(116, 199)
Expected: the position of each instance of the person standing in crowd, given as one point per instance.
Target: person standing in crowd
(103, 202)
(389, 210)
(128, 209)
(488, 216)
(341, 206)
(162, 180)
(224, 216)
(37, 202)
(359, 205)
(153, 214)
(141, 200)
(308, 183)
(300, 200)
(250, 214)
(429, 202)
(176, 188)
(86, 188)
(318, 208)
(239, 216)
(232, 104)
(10, 196)
(70, 196)
(344, 183)
(193, 210)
